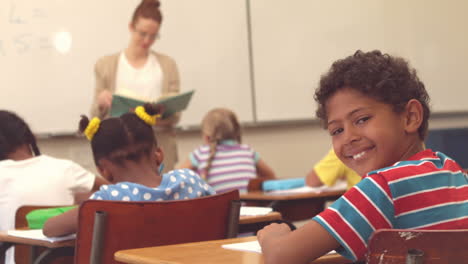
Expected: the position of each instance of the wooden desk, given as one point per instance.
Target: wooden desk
(203, 253)
(257, 222)
(4, 237)
(246, 224)
(254, 219)
(293, 207)
(53, 250)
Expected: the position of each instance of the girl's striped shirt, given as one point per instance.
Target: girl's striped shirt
(233, 165)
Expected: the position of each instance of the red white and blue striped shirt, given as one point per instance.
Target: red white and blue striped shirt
(233, 165)
(428, 191)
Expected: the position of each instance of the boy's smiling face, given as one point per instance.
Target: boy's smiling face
(367, 134)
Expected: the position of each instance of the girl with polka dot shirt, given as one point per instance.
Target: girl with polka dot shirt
(125, 152)
(175, 185)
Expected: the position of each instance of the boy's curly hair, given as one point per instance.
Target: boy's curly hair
(380, 76)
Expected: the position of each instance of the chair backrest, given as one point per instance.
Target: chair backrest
(452, 142)
(418, 246)
(106, 226)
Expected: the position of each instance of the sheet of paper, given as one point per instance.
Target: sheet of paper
(254, 210)
(340, 185)
(37, 234)
(251, 246)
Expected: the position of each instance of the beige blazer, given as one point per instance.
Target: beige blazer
(105, 72)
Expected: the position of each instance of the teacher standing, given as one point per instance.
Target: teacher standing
(143, 72)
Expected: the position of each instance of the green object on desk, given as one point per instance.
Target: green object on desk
(171, 105)
(37, 218)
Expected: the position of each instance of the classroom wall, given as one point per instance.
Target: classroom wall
(256, 57)
(291, 149)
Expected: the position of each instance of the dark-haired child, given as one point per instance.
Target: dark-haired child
(126, 153)
(376, 111)
(26, 175)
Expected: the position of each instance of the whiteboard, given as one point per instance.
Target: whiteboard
(208, 40)
(295, 43)
(48, 49)
(42, 81)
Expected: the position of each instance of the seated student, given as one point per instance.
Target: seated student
(223, 161)
(126, 153)
(376, 111)
(330, 169)
(29, 178)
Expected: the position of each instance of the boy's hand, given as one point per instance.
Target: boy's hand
(272, 232)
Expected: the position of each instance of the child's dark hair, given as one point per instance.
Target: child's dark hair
(122, 138)
(148, 9)
(14, 133)
(385, 78)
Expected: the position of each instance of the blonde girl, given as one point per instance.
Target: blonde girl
(223, 161)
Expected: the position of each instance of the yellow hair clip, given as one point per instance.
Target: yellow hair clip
(148, 119)
(92, 128)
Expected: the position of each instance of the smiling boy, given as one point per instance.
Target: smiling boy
(376, 111)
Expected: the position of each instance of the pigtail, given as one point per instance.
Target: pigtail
(84, 122)
(148, 114)
(213, 146)
(153, 109)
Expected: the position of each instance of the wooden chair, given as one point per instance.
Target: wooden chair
(291, 211)
(255, 185)
(108, 226)
(418, 246)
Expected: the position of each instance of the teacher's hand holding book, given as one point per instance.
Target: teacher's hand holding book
(104, 100)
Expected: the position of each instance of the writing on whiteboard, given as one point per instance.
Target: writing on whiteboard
(23, 40)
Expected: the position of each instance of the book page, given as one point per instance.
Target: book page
(131, 94)
(251, 246)
(37, 235)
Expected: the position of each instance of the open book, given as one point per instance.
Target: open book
(122, 103)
